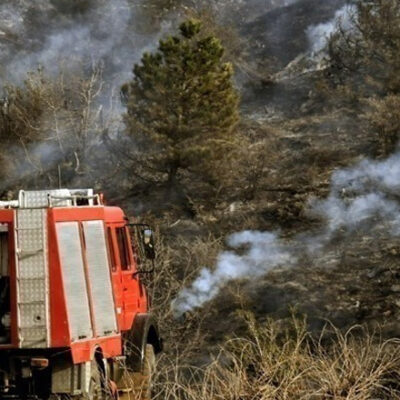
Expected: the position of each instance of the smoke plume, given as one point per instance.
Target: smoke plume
(56, 35)
(73, 43)
(319, 35)
(265, 251)
(362, 198)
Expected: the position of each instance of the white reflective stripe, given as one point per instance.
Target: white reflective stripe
(69, 243)
(100, 279)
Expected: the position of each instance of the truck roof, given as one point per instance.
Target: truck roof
(68, 201)
(54, 198)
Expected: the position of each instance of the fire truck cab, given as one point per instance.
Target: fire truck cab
(74, 313)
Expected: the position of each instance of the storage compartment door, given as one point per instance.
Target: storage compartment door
(99, 278)
(72, 265)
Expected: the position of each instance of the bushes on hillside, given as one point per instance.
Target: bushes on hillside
(367, 55)
(365, 64)
(49, 127)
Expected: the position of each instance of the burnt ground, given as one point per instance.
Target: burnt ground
(355, 281)
(281, 33)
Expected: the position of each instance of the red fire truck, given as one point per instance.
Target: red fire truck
(74, 313)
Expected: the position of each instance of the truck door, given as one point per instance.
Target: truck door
(129, 284)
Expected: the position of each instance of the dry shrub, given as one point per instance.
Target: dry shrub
(178, 263)
(272, 360)
(277, 362)
(253, 163)
(384, 117)
(179, 260)
(366, 57)
(51, 126)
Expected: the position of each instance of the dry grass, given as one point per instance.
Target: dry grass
(178, 265)
(270, 360)
(276, 362)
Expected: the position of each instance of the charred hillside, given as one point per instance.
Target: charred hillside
(281, 34)
(286, 203)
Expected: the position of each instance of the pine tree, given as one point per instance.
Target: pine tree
(182, 107)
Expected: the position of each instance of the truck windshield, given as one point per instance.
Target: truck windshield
(123, 249)
(4, 287)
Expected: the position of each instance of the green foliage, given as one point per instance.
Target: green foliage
(182, 107)
(190, 28)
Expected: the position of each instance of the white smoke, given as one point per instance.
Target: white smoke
(319, 35)
(362, 198)
(11, 21)
(106, 33)
(11, 18)
(69, 41)
(265, 251)
(81, 41)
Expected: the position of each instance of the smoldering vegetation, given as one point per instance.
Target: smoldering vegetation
(77, 35)
(360, 201)
(303, 229)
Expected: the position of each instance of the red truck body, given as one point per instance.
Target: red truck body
(69, 268)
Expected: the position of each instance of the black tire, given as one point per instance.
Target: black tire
(137, 385)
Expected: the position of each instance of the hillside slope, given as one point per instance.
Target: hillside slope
(296, 134)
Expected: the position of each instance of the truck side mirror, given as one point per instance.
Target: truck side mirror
(148, 243)
(144, 244)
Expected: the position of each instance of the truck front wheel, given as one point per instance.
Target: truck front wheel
(136, 385)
